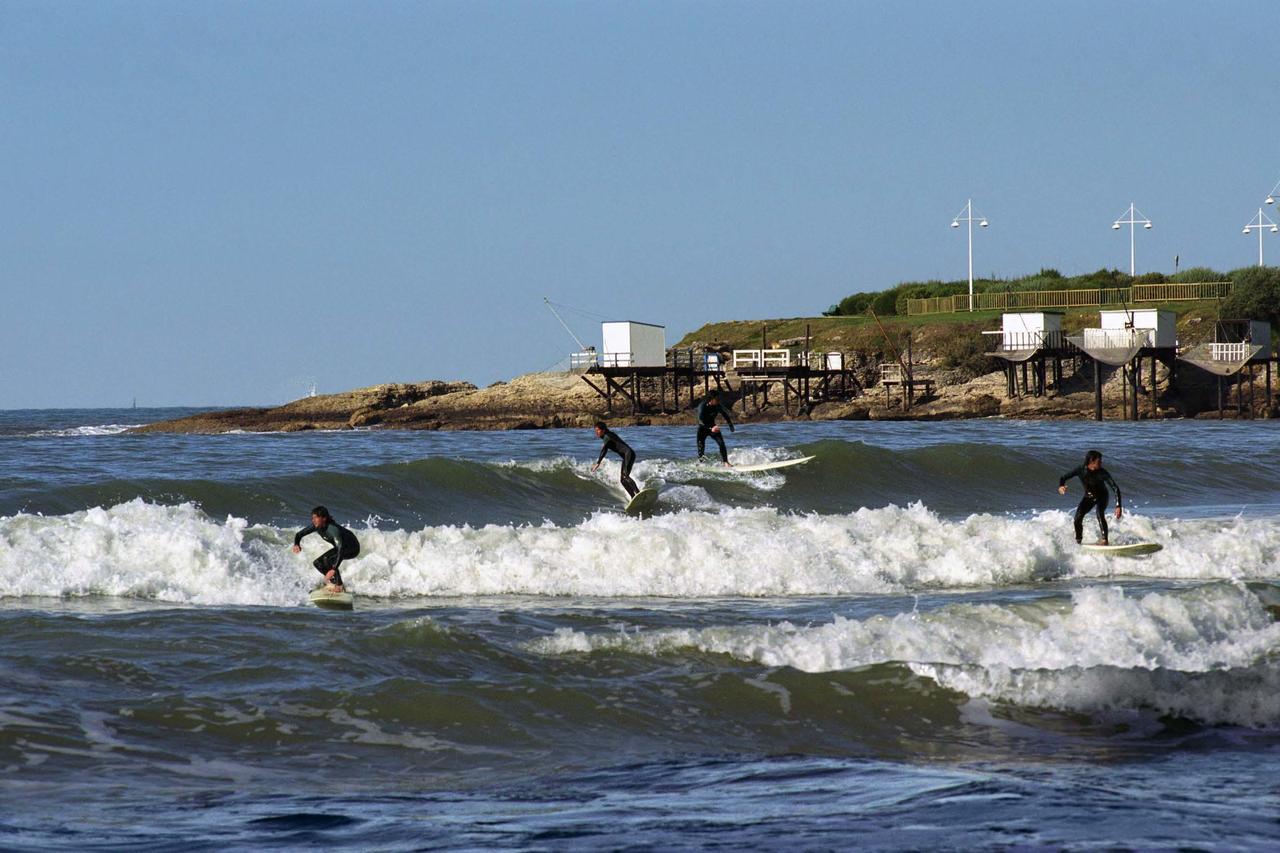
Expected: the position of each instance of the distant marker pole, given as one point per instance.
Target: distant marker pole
(967, 215)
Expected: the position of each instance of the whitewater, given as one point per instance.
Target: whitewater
(899, 639)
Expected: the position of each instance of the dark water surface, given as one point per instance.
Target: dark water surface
(896, 645)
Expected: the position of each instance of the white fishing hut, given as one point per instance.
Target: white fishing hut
(1030, 330)
(631, 344)
(1161, 326)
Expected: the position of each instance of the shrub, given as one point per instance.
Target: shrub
(885, 302)
(1255, 295)
(854, 304)
(964, 353)
(1193, 275)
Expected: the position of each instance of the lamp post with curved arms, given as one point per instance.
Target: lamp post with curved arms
(1258, 223)
(967, 215)
(1132, 220)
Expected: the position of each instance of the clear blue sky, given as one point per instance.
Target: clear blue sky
(217, 202)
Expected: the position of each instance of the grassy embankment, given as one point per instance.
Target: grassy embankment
(862, 334)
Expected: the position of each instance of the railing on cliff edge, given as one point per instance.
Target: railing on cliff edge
(1051, 299)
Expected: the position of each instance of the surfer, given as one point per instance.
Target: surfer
(708, 410)
(620, 447)
(1095, 479)
(344, 542)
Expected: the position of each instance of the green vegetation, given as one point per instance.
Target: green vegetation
(1255, 295)
(954, 339)
(894, 300)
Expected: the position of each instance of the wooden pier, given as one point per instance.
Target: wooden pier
(802, 378)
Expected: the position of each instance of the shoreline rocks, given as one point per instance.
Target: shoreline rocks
(561, 400)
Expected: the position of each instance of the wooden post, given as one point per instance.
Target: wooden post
(808, 364)
(1124, 392)
(1136, 377)
(1251, 400)
(1097, 390)
(1219, 398)
(1153, 386)
(786, 397)
(1267, 365)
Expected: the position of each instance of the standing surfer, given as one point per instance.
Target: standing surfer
(620, 447)
(344, 542)
(1095, 479)
(708, 410)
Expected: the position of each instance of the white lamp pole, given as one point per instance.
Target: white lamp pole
(1258, 223)
(967, 215)
(1132, 220)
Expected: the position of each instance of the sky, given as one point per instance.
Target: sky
(218, 203)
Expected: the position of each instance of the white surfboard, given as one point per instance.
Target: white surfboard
(643, 502)
(322, 597)
(770, 466)
(1128, 549)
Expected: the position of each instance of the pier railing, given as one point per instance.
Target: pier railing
(1031, 340)
(1051, 299)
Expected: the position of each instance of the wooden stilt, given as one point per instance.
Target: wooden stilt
(1097, 390)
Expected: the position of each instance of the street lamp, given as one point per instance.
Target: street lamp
(967, 215)
(1274, 194)
(1132, 213)
(1258, 223)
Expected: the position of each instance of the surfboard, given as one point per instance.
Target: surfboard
(770, 466)
(322, 597)
(643, 502)
(1128, 549)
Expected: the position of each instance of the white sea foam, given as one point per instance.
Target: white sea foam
(98, 429)
(680, 471)
(177, 553)
(1202, 653)
(141, 550)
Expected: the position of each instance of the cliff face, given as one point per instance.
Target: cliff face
(529, 402)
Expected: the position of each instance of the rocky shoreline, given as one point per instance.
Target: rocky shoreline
(561, 400)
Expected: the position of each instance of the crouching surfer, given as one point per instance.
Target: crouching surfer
(344, 544)
(1095, 479)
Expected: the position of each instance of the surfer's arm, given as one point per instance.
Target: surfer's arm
(728, 419)
(604, 448)
(306, 531)
(1112, 482)
(1074, 472)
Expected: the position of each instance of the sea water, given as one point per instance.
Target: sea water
(895, 645)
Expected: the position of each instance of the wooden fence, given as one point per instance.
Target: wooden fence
(1060, 299)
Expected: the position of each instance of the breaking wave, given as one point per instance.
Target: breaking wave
(182, 554)
(1204, 654)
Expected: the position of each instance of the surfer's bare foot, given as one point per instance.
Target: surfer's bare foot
(1102, 542)
(335, 587)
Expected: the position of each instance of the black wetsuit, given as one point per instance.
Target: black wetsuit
(344, 542)
(620, 447)
(1096, 496)
(706, 414)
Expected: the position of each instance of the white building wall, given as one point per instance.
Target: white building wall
(629, 344)
(1024, 330)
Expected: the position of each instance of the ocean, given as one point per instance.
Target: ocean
(897, 645)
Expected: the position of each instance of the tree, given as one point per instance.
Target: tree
(1255, 295)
